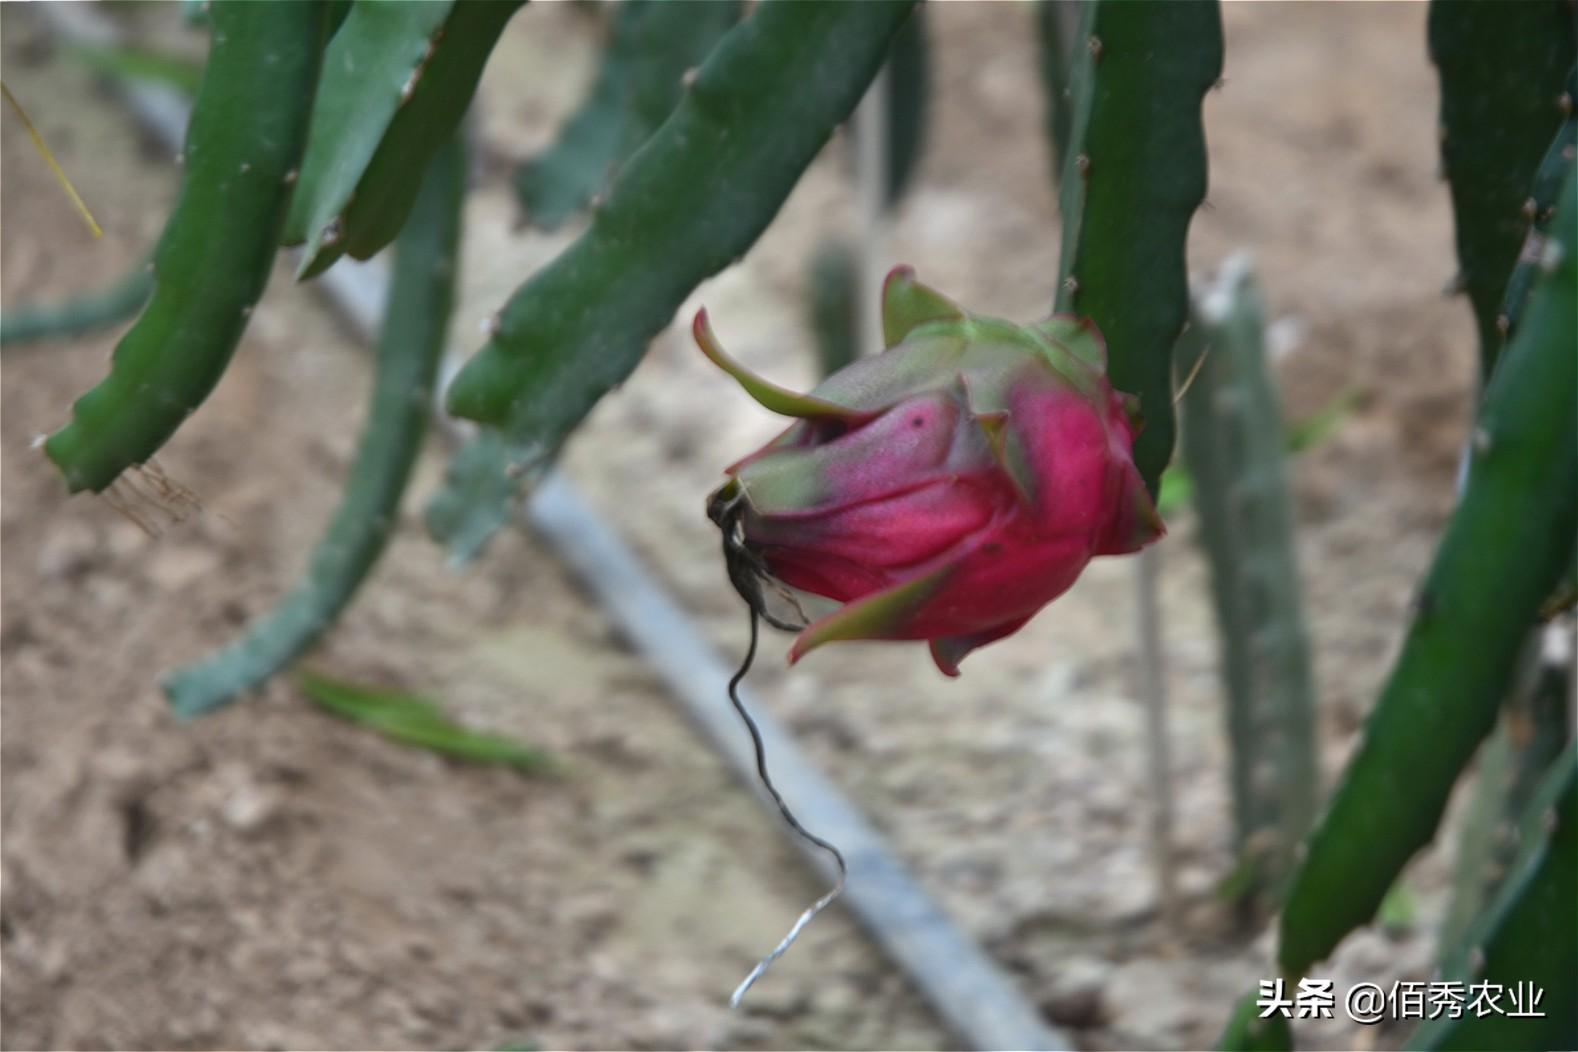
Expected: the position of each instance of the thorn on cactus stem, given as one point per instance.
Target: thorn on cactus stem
(333, 232)
(1531, 209)
(1482, 441)
(1551, 256)
(597, 202)
(490, 325)
(1071, 283)
(1093, 45)
(1503, 324)
(1569, 152)
(687, 79)
(290, 177)
(1564, 103)
(1082, 164)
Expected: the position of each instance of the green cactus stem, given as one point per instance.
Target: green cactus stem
(212, 262)
(1135, 173)
(688, 204)
(481, 488)
(834, 316)
(1246, 1031)
(415, 322)
(651, 45)
(908, 83)
(1539, 207)
(397, 78)
(1505, 549)
(1177, 488)
(1055, 28)
(1525, 938)
(81, 314)
(1501, 67)
(1510, 768)
(139, 66)
(1232, 445)
(1477, 833)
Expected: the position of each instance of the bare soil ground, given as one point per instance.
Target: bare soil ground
(269, 877)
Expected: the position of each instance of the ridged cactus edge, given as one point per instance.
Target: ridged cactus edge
(651, 44)
(397, 79)
(1134, 175)
(1502, 67)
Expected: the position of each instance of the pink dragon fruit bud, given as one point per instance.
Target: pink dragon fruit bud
(947, 488)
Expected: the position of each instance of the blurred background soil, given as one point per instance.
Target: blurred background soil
(270, 877)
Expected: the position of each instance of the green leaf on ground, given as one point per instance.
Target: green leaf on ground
(415, 720)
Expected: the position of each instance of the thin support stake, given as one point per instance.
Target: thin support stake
(870, 127)
(1159, 752)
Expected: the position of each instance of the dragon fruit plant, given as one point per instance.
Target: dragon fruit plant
(948, 488)
(1504, 563)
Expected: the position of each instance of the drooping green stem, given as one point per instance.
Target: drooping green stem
(94, 310)
(397, 78)
(415, 323)
(212, 262)
(688, 204)
(481, 488)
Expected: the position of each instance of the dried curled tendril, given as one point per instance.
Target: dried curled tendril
(747, 573)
